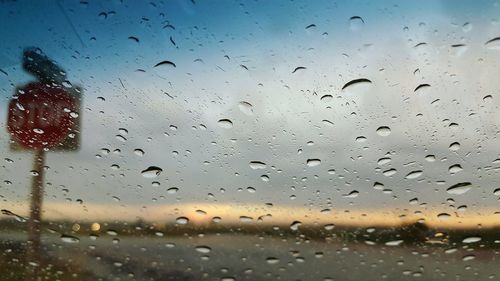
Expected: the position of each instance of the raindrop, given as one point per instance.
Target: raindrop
(468, 257)
(443, 216)
(472, 239)
(166, 63)
(414, 174)
(359, 81)
(182, 220)
(133, 38)
(313, 162)
(121, 138)
(295, 225)
(172, 190)
(245, 219)
(225, 123)
(394, 243)
(151, 172)
(378, 186)
(326, 98)
(327, 122)
(329, 226)
(383, 131)
(299, 68)
(454, 146)
(356, 22)
(352, 194)
(272, 260)
(493, 44)
(383, 161)
(203, 249)
(453, 169)
(430, 158)
(496, 192)
(466, 27)
(139, 152)
(389, 172)
(361, 139)
(487, 98)
(255, 165)
(69, 239)
(246, 107)
(421, 88)
(459, 188)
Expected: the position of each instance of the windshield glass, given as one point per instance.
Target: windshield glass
(249, 140)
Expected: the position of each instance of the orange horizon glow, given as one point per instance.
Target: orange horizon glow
(203, 213)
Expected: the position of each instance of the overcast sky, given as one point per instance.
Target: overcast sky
(227, 53)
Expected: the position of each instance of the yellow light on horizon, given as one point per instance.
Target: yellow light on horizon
(95, 226)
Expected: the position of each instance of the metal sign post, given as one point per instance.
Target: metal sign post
(34, 229)
(42, 116)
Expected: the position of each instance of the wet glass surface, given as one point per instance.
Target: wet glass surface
(249, 140)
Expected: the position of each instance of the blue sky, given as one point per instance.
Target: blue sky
(270, 39)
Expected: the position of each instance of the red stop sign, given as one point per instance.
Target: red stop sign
(40, 115)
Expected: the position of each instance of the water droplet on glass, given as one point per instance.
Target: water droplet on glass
(383, 161)
(356, 82)
(326, 98)
(466, 27)
(430, 158)
(378, 186)
(245, 219)
(414, 174)
(469, 257)
(151, 172)
(272, 260)
(352, 194)
(329, 226)
(203, 249)
(394, 243)
(356, 23)
(453, 169)
(493, 44)
(361, 139)
(443, 216)
(454, 146)
(422, 88)
(255, 165)
(389, 172)
(69, 239)
(295, 225)
(182, 220)
(472, 239)
(313, 162)
(139, 152)
(383, 131)
(225, 123)
(459, 188)
(246, 107)
(121, 138)
(172, 190)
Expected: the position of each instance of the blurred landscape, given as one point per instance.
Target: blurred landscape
(245, 251)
